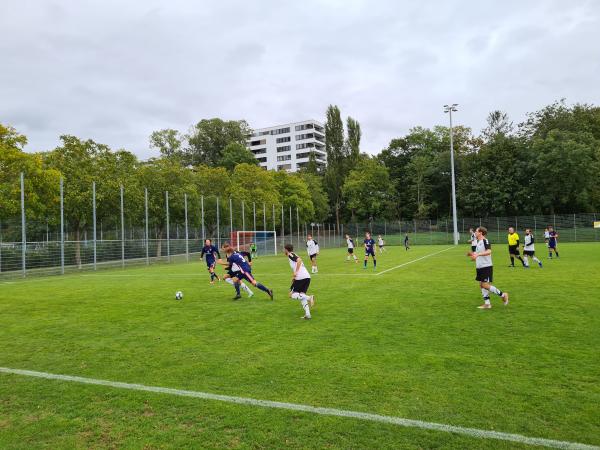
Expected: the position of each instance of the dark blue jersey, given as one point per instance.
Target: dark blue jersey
(369, 244)
(210, 251)
(553, 235)
(238, 262)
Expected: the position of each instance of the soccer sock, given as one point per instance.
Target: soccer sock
(365, 263)
(535, 258)
(512, 261)
(262, 287)
(486, 296)
(237, 288)
(526, 261)
(521, 259)
(246, 288)
(374, 263)
(355, 258)
(557, 254)
(495, 290)
(550, 255)
(229, 280)
(303, 296)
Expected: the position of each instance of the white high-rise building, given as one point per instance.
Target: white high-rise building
(288, 147)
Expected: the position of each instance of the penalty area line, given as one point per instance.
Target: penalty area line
(393, 420)
(413, 261)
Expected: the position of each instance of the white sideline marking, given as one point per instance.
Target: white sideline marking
(413, 261)
(473, 432)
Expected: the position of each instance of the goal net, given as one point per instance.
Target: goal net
(265, 242)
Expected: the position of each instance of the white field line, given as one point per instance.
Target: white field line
(473, 432)
(414, 261)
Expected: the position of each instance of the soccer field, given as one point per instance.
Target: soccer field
(404, 341)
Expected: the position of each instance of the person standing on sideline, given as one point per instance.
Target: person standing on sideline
(484, 269)
(369, 243)
(406, 247)
(300, 281)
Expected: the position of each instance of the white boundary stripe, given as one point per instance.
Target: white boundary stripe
(473, 432)
(414, 261)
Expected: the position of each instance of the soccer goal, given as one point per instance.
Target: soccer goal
(265, 241)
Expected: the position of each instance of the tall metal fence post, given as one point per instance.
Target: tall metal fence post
(23, 228)
(264, 217)
(94, 218)
(291, 227)
(62, 227)
(498, 228)
(202, 217)
(534, 225)
(187, 246)
(243, 218)
(254, 218)
(298, 226)
(218, 224)
(122, 230)
(230, 220)
(282, 226)
(575, 227)
(146, 226)
(274, 230)
(554, 221)
(168, 230)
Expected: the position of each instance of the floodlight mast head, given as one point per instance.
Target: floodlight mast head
(448, 108)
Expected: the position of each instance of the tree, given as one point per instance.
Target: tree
(168, 142)
(235, 153)
(295, 194)
(498, 123)
(335, 173)
(318, 195)
(209, 137)
(367, 190)
(353, 141)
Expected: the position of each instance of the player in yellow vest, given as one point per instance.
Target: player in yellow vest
(513, 247)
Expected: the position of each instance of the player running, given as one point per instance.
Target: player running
(513, 247)
(381, 244)
(552, 242)
(300, 281)
(350, 244)
(242, 271)
(210, 253)
(312, 247)
(230, 274)
(483, 264)
(529, 248)
(369, 250)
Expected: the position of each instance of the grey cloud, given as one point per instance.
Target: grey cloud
(115, 71)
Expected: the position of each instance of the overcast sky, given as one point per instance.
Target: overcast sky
(114, 71)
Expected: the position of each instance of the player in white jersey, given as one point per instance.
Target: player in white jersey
(350, 244)
(546, 236)
(300, 281)
(473, 239)
(312, 248)
(381, 244)
(483, 263)
(529, 249)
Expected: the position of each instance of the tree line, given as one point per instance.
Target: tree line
(550, 163)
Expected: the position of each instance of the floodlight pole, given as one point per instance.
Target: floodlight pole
(449, 109)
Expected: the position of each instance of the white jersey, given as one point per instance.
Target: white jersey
(546, 235)
(350, 243)
(483, 261)
(302, 272)
(529, 243)
(473, 239)
(380, 242)
(312, 247)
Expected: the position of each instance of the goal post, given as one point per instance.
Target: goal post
(265, 241)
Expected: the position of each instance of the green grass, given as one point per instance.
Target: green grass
(408, 343)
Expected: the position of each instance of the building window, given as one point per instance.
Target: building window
(281, 130)
(300, 137)
(284, 158)
(284, 167)
(262, 160)
(259, 151)
(284, 148)
(306, 126)
(283, 139)
(302, 155)
(305, 145)
(261, 142)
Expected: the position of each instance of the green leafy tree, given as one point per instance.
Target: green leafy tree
(318, 196)
(168, 142)
(353, 141)
(335, 173)
(209, 137)
(235, 153)
(295, 193)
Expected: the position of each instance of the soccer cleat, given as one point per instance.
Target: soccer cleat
(311, 301)
(270, 293)
(212, 282)
(540, 264)
(305, 317)
(505, 298)
(250, 294)
(237, 297)
(485, 306)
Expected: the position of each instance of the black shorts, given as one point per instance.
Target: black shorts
(485, 274)
(300, 286)
(312, 256)
(351, 250)
(237, 275)
(513, 250)
(528, 252)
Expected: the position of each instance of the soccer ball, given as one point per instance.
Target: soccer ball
(178, 295)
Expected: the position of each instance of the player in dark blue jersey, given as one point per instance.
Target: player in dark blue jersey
(369, 250)
(241, 270)
(552, 242)
(210, 253)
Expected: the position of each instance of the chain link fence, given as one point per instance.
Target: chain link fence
(137, 234)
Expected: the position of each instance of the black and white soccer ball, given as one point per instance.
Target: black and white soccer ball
(178, 295)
